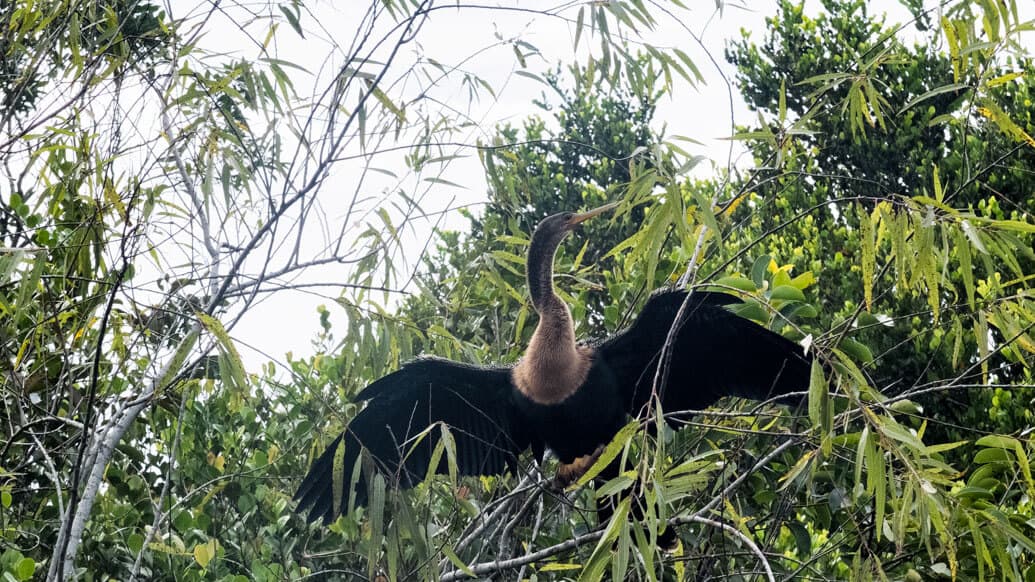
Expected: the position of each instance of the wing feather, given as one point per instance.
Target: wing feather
(474, 403)
(716, 354)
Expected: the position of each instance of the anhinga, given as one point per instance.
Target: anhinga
(570, 397)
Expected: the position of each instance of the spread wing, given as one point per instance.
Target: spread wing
(475, 403)
(715, 354)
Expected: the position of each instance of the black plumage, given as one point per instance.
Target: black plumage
(568, 397)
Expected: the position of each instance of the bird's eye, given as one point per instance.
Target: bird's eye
(568, 216)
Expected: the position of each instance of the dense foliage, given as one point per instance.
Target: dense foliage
(157, 190)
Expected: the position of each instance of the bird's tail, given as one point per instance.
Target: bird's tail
(317, 489)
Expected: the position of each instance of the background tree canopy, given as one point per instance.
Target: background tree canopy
(159, 190)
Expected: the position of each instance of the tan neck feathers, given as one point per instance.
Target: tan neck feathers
(553, 366)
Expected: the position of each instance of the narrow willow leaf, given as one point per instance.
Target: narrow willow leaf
(415, 534)
(338, 476)
(927, 263)
(1006, 125)
(601, 557)
(450, 445)
(646, 545)
(226, 347)
(903, 255)
(981, 335)
(559, 567)
(176, 363)
(393, 552)
(620, 557)
(435, 460)
(819, 407)
(868, 253)
(966, 264)
(997, 441)
(451, 555)
(803, 463)
(901, 519)
(578, 26)
(954, 47)
(876, 481)
(376, 512)
(860, 458)
(980, 549)
(938, 194)
(950, 88)
(612, 450)
(1003, 79)
(1022, 462)
(935, 511)
(387, 103)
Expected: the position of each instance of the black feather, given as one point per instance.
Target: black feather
(716, 354)
(476, 404)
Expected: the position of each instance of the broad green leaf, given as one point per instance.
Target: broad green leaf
(737, 283)
(787, 293)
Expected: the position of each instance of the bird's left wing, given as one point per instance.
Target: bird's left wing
(474, 403)
(715, 354)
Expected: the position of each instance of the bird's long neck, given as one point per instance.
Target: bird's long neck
(553, 366)
(540, 272)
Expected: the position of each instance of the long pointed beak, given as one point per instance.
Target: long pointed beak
(591, 213)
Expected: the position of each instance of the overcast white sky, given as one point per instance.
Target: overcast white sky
(455, 36)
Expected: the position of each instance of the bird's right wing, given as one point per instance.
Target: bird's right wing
(474, 403)
(716, 353)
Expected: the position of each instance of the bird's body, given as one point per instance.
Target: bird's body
(565, 396)
(575, 426)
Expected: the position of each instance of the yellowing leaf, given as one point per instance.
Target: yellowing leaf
(204, 553)
(559, 567)
(217, 461)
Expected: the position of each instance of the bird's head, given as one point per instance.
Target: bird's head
(557, 226)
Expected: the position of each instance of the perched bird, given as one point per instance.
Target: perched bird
(569, 397)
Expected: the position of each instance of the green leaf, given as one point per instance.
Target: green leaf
(578, 28)
(820, 409)
(866, 240)
(802, 538)
(135, 542)
(376, 510)
(387, 103)
(787, 293)
(752, 310)
(25, 568)
(997, 441)
(602, 553)
(857, 350)
(451, 555)
(758, 270)
(559, 567)
(737, 283)
(952, 87)
(609, 454)
(226, 348)
(338, 476)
